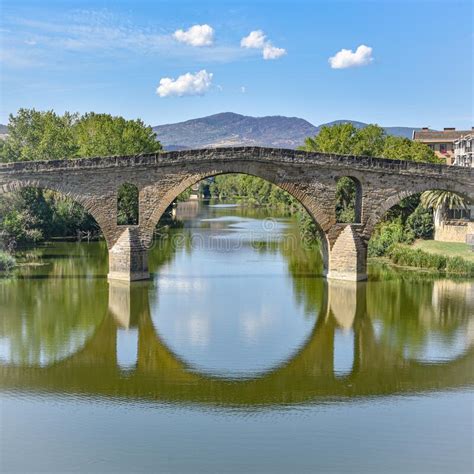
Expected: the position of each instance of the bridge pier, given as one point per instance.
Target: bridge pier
(348, 257)
(128, 258)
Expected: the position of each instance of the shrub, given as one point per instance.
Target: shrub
(386, 235)
(7, 262)
(420, 223)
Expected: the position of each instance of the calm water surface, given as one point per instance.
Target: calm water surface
(236, 357)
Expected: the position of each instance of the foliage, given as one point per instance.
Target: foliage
(420, 223)
(35, 215)
(401, 229)
(102, 135)
(127, 205)
(386, 235)
(34, 135)
(345, 199)
(399, 148)
(21, 218)
(435, 199)
(403, 255)
(346, 139)
(68, 217)
(250, 190)
(450, 249)
(308, 229)
(7, 262)
(403, 209)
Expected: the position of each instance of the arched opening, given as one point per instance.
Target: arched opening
(425, 228)
(313, 214)
(33, 214)
(252, 190)
(252, 250)
(127, 205)
(348, 200)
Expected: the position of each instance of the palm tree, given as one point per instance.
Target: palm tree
(440, 201)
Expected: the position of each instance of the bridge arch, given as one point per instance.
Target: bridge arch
(321, 216)
(395, 199)
(87, 202)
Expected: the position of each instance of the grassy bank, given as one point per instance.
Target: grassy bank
(405, 255)
(449, 249)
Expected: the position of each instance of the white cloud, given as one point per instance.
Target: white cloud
(197, 35)
(187, 84)
(31, 42)
(347, 58)
(243, 89)
(272, 52)
(257, 40)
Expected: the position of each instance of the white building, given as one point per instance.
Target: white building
(457, 224)
(463, 151)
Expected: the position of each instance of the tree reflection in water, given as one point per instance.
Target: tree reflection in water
(64, 328)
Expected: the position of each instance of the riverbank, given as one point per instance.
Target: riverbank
(416, 257)
(449, 249)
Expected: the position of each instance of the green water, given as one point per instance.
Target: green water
(237, 356)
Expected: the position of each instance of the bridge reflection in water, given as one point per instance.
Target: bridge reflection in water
(154, 372)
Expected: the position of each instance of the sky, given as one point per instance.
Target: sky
(391, 62)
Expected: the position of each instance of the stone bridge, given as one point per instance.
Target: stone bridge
(310, 177)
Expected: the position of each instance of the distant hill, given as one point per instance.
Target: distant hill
(230, 129)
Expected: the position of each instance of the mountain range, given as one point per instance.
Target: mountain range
(231, 129)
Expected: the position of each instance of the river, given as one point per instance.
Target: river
(237, 356)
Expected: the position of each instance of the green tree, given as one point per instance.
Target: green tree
(399, 148)
(103, 134)
(369, 141)
(339, 139)
(35, 135)
(346, 139)
(420, 223)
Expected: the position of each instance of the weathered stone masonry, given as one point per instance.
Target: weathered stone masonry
(309, 177)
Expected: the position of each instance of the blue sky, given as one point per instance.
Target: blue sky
(109, 56)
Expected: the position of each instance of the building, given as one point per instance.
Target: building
(441, 142)
(463, 151)
(456, 148)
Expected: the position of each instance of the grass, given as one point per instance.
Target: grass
(448, 249)
(405, 255)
